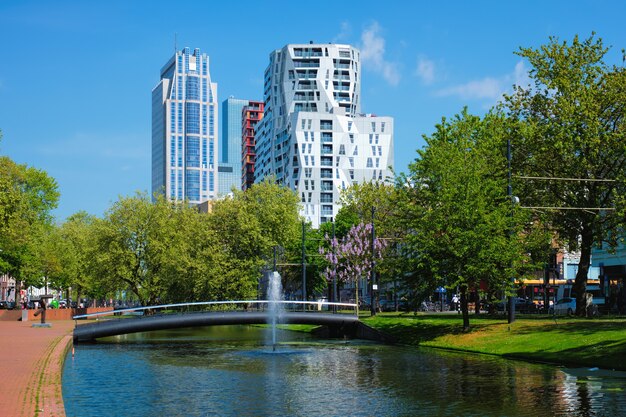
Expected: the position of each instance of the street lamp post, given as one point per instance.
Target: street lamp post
(511, 312)
(373, 285)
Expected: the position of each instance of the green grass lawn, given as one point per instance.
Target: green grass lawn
(567, 341)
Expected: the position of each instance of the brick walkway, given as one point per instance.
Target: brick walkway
(31, 368)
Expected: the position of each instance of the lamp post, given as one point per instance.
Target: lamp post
(303, 266)
(334, 271)
(373, 286)
(511, 312)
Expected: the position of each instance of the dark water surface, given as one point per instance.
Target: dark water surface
(227, 371)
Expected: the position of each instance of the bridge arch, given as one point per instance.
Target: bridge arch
(339, 325)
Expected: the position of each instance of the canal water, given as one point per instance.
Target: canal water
(228, 371)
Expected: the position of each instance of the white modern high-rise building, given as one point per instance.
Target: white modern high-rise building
(313, 137)
(184, 129)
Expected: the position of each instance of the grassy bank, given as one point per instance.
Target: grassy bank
(566, 341)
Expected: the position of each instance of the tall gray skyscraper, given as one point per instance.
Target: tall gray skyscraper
(313, 137)
(184, 129)
(230, 145)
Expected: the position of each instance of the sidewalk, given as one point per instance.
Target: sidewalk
(32, 366)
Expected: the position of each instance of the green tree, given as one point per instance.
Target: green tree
(27, 196)
(457, 211)
(571, 133)
(249, 225)
(76, 234)
(141, 246)
(359, 199)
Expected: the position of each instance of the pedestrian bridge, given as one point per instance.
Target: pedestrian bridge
(339, 319)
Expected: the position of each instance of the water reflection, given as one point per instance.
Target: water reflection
(224, 371)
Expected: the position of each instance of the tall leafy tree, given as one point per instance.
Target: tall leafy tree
(461, 232)
(27, 197)
(141, 246)
(571, 133)
(249, 225)
(76, 234)
(359, 200)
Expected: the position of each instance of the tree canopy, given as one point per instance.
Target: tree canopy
(568, 133)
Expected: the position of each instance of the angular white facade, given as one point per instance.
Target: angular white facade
(184, 129)
(313, 137)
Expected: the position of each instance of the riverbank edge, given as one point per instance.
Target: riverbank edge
(531, 356)
(59, 356)
(46, 383)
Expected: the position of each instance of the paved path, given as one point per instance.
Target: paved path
(31, 368)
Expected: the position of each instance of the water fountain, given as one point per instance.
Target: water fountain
(274, 296)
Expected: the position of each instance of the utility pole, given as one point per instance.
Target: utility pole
(511, 313)
(373, 285)
(334, 271)
(303, 266)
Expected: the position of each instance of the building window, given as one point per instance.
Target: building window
(192, 88)
(211, 118)
(326, 124)
(173, 184)
(180, 151)
(192, 150)
(180, 118)
(369, 163)
(192, 118)
(192, 184)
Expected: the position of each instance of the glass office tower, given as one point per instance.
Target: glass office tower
(230, 145)
(184, 129)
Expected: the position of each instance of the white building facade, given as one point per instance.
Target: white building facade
(313, 137)
(185, 129)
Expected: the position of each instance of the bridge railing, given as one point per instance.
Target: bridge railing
(244, 305)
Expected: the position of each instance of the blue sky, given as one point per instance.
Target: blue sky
(76, 76)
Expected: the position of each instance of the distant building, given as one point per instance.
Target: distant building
(313, 137)
(251, 115)
(184, 129)
(230, 145)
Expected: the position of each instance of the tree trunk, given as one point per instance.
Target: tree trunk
(476, 303)
(580, 284)
(464, 308)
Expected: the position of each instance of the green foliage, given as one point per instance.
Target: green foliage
(27, 196)
(462, 228)
(570, 125)
(163, 251)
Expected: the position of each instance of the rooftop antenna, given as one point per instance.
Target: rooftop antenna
(175, 42)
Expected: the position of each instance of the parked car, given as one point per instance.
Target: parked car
(7, 305)
(564, 306)
(522, 305)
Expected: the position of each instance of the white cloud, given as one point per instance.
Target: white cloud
(344, 33)
(373, 54)
(425, 70)
(489, 88)
(520, 76)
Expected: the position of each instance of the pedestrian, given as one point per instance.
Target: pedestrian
(455, 302)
